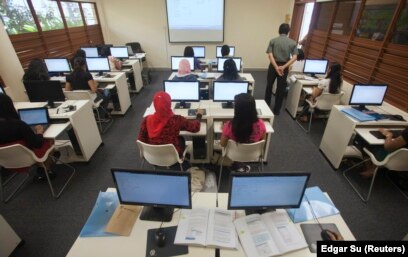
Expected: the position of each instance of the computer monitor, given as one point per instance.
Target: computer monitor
(34, 116)
(221, 60)
(91, 51)
(45, 91)
(231, 53)
(98, 64)
(182, 92)
(315, 66)
(225, 91)
(199, 51)
(120, 52)
(59, 65)
(176, 59)
(260, 192)
(367, 94)
(158, 191)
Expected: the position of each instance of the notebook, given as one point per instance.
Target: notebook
(35, 116)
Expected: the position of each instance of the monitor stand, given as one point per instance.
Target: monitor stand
(52, 104)
(258, 211)
(228, 105)
(360, 108)
(162, 214)
(183, 105)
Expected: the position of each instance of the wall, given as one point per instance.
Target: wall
(249, 25)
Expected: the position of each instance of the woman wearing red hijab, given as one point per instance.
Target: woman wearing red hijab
(163, 127)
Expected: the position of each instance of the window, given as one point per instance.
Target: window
(48, 14)
(324, 15)
(345, 17)
(16, 17)
(375, 19)
(89, 13)
(72, 14)
(400, 35)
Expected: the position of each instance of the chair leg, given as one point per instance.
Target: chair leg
(99, 120)
(355, 188)
(109, 123)
(18, 187)
(310, 123)
(141, 164)
(220, 175)
(66, 183)
(181, 167)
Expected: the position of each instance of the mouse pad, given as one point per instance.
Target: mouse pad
(169, 249)
(312, 233)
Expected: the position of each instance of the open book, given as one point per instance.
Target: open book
(206, 227)
(269, 234)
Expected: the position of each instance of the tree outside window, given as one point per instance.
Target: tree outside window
(16, 17)
(72, 14)
(48, 14)
(89, 13)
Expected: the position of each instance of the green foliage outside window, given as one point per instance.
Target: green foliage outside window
(16, 17)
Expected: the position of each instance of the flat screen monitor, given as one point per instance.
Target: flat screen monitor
(98, 64)
(90, 51)
(158, 191)
(57, 65)
(176, 59)
(34, 116)
(315, 66)
(120, 52)
(45, 91)
(225, 91)
(367, 94)
(199, 51)
(219, 54)
(221, 60)
(259, 192)
(182, 92)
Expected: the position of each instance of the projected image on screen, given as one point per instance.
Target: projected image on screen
(34, 116)
(176, 59)
(195, 20)
(220, 65)
(57, 65)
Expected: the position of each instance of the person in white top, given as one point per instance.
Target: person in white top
(331, 84)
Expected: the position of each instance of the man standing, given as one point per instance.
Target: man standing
(282, 52)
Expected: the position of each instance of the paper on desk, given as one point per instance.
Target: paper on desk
(123, 220)
(101, 213)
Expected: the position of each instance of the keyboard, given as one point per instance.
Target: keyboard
(192, 112)
(379, 135)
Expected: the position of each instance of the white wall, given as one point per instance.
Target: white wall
(249, 25)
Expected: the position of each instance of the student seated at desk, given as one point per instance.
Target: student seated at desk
(80, 79)
(189, 52)
(13, 130)
(163, 127)
(230, 72)
(36, 71)
(184, 72)
(331, 84)
(79, 53)
(115, 64)
(225, 51)
(245, 127)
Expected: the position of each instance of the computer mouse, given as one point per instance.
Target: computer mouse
(160, 237)
(325, 235)
(398, 117)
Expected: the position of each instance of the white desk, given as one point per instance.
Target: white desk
(83, 123)
(295, 90)
(340, 128)
(135, 65)
(135, 244)
(369, 138)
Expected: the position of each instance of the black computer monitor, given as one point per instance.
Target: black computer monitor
(260, 192)
(199, 51)
(315, 66)
(98, 64)
(221, 60)
(367, 94)
(59, 65)
(90, 51)
(176, 59)
(158, 191)
(45, 91)
(182, 92)
(225, 91)
(120, 52)
(219, 54)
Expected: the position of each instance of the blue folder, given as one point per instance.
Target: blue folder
(358, 115)
(322, 206)
(103, 210)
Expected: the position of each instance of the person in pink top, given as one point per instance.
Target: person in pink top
(245, 127)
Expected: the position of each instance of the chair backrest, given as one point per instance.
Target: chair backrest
(326, 100)
(397, 160)
(16, 156)
(160, 155)
(136, 47)
(78, 95)
(244, 152)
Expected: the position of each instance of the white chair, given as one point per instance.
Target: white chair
(237, 152)
(396, 161)
(87, 95)
(324, 102)
(161, 155)
(18, 156)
